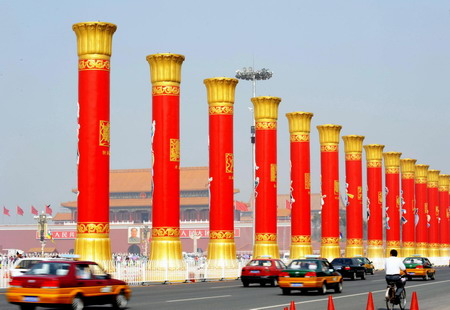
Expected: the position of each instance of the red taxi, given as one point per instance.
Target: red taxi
(262, 271)
(73, 284)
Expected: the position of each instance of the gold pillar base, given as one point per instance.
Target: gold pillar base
(444, 250)
(222, 253)
(354, 247)
(434, 250)
(266, 248)
(300, 250)
(393, 245)
(422, 249)
(408, 249)
(375, 249)
(330, 248)
(94, 247)
(166, 253)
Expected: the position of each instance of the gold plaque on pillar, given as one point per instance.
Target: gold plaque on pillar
(307, 181)
(336, 187)
(273, 172)
(174, 150)
(229, 162)
(104, 133)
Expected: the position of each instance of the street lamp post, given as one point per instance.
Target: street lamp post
(249, 74)
(42, 228)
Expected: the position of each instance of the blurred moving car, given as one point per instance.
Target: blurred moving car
(366, 263)
(262, 271)
(419, 267)
(310, 274)
(22, 265)
(72, 284)
(349, 268)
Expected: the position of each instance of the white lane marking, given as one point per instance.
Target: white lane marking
(226, 286)
(199, 298)
(346, 296)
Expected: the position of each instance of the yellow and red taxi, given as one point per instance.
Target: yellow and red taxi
(73, 284)
(262, 271)
(368, 264)
(310, 274)
(419, 267)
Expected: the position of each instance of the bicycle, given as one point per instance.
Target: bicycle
(391, 299)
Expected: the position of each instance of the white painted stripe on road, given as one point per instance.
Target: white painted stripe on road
(226, 286)
(199, 298)
(346, 296)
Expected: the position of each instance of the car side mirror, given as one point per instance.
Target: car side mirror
(370, 262)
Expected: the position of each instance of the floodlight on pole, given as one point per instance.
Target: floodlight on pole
(249, 74)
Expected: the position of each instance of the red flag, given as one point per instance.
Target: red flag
(48, 210)
(34, 211)
(6, 211)
(19, 210)
(241, 206)
(288, 204)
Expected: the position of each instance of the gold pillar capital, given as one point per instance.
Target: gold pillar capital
(374, 152)
(422, 171)
(299, 122)
(220, 89)
(329, 133)
(165, 67)
(266, 108)
(444, 182)
(353, 143)
(408, 165)
(94, 39)
(392, 159)
(433, 178)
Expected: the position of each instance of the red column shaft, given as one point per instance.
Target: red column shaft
(330, 193)
(421, 212)
(433, 212)
(353, 172)
(375, 204)
(408, 234)
(443, 225)
(393, 209)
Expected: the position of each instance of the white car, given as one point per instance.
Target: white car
(22, 265)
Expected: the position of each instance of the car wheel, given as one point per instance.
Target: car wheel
(77, 303)
(371, 271)
(274, 282)
(286, 291)
(120, 301)
(323, 289)
(338, 287)
(27, 307)
(426, 277)
(432, 277)
(245, 283)
(363, 276)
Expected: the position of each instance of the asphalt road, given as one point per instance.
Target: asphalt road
(231, 295)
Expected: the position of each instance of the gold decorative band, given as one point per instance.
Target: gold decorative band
(375, 242)
(301, 239)
(432, 184)
(329, 148)
(300, 137)
(266, 125)
(444, 245)
(221, 110)
(421, 180)
(408, 175)
(353, 156)
(393, 243)
(421, 245)
(443, 188)
(354, 241)
(330, 240)
(221, 234)
(266, 237)
(165, 232)
(408, 244)
(392, 170)
(165, 90)
(174, 150)
(99, 228)
(93, 64)
(374, 164)
(433, 245)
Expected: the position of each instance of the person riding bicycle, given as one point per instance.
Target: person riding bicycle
(393, 267)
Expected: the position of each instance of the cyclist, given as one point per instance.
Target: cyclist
(393, 268)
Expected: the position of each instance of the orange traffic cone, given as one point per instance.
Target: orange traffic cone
(330, 303)
(292, 305)
(414, 302)
(370, 302)
(285, 308)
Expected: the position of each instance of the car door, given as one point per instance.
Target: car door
(84, 278)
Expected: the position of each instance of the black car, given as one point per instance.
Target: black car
(349, 268)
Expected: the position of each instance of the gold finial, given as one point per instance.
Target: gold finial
(220, 89)
(374, 152)
(299, 122)
(353, 143)
(421, 171)
(94, 39)
(165, 68)
(444, 182)
(329, 133)
(392, 159)
(266, 108)
(408, 165)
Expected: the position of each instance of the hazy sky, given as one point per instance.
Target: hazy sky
(378, 68)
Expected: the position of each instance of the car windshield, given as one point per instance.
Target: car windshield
(27, 263)
(265, 263)
(342, 261)
(411, 260)
(303, 265)
(56, 269)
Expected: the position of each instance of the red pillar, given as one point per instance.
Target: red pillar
(94, 41)
(374, 200)
(443, 207)
(266, 115)
(329, 159)
(221, 248)
(408, 206)
(165, 71)
(392, 217)
(353, 177)
(299, 128)
(433, 213)
(421, 210)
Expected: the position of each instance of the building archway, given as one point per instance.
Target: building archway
(134, 249)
